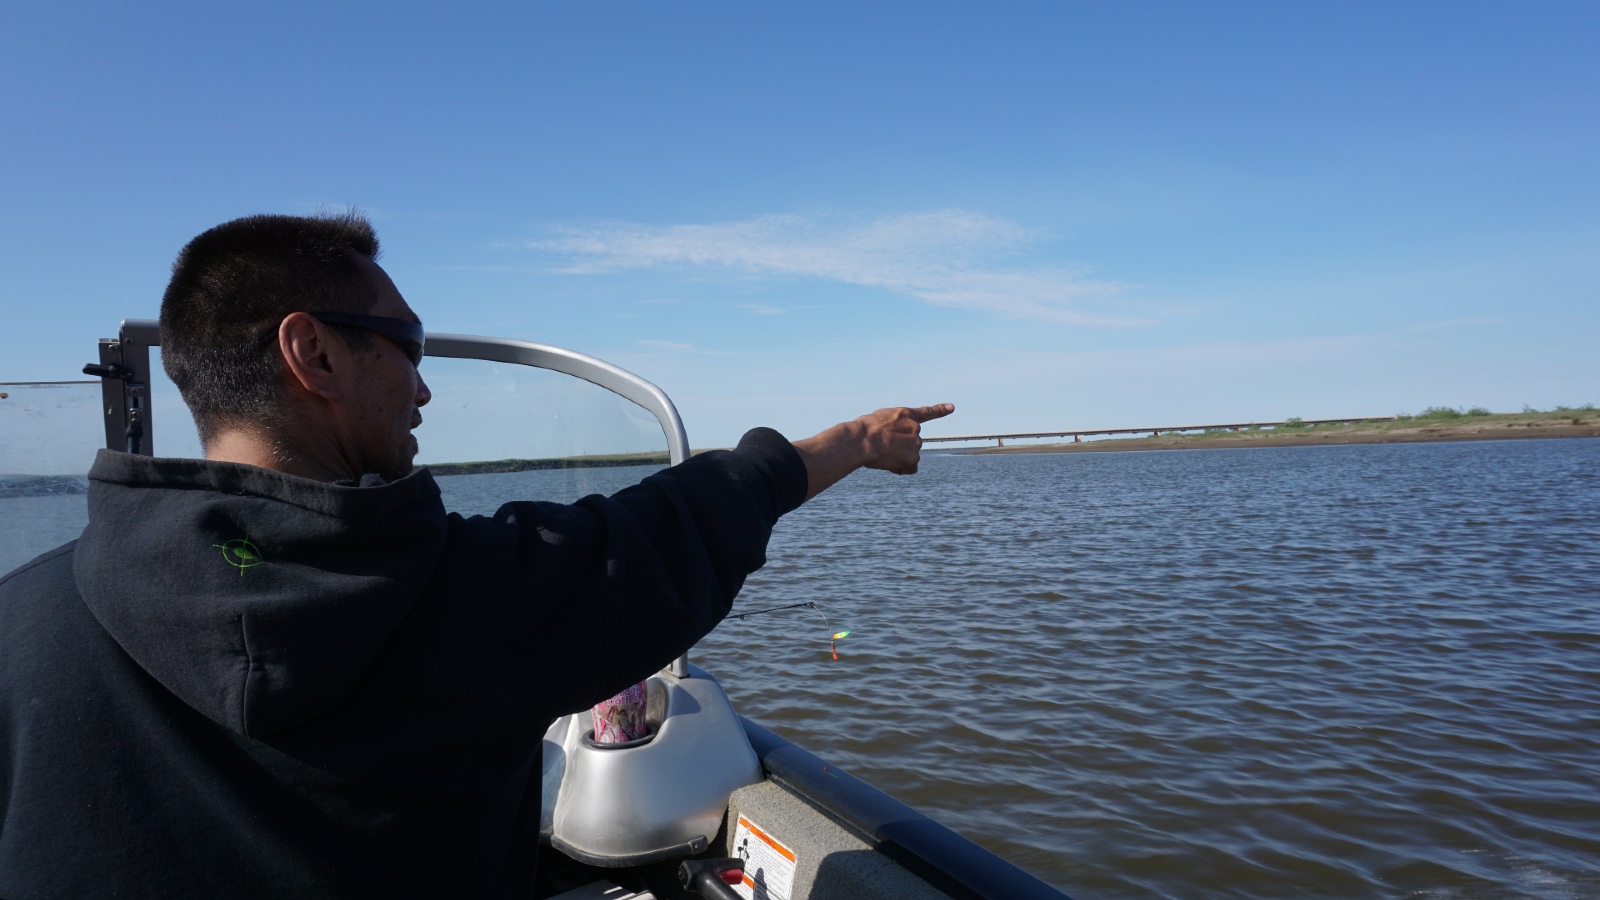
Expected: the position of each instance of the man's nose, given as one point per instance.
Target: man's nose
(423, 394)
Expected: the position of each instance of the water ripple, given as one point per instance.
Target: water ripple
(1311, 672)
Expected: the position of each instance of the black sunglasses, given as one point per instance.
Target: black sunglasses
(408, 335)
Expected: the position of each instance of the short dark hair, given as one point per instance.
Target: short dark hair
(230, 289)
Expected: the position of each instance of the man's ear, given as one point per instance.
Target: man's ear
(312, 355)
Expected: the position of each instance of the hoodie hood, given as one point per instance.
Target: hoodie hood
(258, 598)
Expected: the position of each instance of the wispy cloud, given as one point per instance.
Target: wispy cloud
(953, 258)
(680, 347)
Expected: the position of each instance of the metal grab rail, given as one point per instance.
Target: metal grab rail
(137, 336)
(128, 413)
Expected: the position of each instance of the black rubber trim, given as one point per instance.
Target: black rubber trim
(945, 859)
(698, 845)
(704, 877)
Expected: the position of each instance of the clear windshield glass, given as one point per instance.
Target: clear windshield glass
(493, 433)
(496, 432)
(49, 433)
(175, 436)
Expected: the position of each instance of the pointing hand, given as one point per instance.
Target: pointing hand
(894, 436)
(889, 439)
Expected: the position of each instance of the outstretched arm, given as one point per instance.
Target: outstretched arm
(889, 439)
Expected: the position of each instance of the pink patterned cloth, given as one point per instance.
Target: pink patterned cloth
(622, 717)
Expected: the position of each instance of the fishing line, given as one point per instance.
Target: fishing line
(833, 639)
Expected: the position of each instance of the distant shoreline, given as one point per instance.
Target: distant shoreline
(1574, 423)
(500, 466)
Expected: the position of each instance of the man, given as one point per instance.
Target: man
(285, 671)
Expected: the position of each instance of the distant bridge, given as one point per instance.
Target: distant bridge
(1078, 434)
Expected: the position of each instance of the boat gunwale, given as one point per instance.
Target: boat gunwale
(947, 860)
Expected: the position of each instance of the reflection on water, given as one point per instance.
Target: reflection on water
(1302, 672)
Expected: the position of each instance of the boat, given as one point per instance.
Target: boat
(709, 803)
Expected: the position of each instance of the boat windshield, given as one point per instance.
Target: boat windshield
(494, 432)
(49, 432)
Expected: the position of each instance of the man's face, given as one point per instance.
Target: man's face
(390, 391)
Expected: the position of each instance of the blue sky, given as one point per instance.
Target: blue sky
(1055, 215)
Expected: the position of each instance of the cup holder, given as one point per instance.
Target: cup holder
(589, 741)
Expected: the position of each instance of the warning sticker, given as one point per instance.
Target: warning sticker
(768, 865)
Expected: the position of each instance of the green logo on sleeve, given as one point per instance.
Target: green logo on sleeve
(241, 554)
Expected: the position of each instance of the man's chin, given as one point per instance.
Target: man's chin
(401, 463)
(409, 455)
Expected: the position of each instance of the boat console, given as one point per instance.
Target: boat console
(662, 797)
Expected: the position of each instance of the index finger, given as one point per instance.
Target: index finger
(927, 413)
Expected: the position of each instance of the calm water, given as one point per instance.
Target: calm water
(1332, 671)
(1309, 672)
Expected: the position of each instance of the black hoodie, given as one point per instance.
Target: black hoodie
(242, 683)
